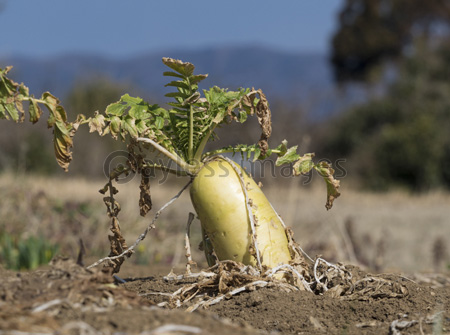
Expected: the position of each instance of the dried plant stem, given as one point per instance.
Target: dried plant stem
(117, 241)
(248, 287)
(144, 234)
(188, 244)
(202, 274)
(273, 271)
(316, 276)
(249, 210)
(174, 329)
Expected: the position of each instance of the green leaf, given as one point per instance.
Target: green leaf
(173, 74)
(176, 95)
(161, 111)
(114, 126)
(304, 164)
(129, 125)
(12, 111)
(2, 111)
(131, 100)
(242, 116)
(257, 153)
(23, 90)
(141, 127)
(180, 84)
(191, 99)
(219, 116)
(9, 85)
(116, 108)
(159, 122)
(327, 172)
(139, 112)
(289, 157)
(282, 147)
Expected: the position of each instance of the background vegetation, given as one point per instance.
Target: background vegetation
(399, 138)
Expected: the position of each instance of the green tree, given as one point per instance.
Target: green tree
(373, 31)
(402, 139)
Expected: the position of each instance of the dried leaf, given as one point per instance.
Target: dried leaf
(97, 123)
(19, 107)
(80, 118)
(34, 110)
(184, 68)
(304, 164)
(197, 78)
(264, 118)
(62, 145)
(145, 199)
(327, 172)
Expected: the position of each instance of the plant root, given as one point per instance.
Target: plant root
(187, 246)
(228, 278)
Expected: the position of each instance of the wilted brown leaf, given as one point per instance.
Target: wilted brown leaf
(97, 123)
(264, 118)
(185, 68)
(145, 199)
(327, 172)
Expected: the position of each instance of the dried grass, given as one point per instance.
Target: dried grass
(404, 225)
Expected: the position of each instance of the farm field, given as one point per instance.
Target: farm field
(392, 236)
(393, 231)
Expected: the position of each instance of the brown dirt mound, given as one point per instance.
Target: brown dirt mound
(67, 299)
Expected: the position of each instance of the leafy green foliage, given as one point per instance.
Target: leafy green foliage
(29, 253)
(403, 138)
(181, 132)
(289, 156)
(193, 118)
(133, 117)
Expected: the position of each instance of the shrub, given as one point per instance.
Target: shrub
(25, 254)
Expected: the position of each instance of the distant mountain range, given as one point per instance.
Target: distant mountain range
(299, 80)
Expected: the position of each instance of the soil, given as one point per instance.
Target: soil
(65, 298)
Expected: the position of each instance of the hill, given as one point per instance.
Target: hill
(299, 80)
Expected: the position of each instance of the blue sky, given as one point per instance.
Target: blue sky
(120, 29)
